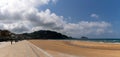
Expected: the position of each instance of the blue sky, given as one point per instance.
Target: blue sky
(76, 18)
(81, 10)
(108, 10)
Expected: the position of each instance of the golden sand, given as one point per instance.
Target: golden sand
(79, 48)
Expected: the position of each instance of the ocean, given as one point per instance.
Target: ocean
(95, 40)
(103, 40)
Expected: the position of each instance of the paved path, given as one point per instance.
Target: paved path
(23, 49)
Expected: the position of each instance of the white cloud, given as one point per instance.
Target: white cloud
(23, 16)
(55, 1)
(86, 28)
(94, 15)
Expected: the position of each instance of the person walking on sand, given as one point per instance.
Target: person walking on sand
(12, 37)
(11, 41)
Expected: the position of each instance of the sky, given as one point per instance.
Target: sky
(76, 18)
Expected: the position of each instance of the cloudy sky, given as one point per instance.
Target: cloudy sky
(76, 18)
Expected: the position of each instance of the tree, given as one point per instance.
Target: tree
(6, 34)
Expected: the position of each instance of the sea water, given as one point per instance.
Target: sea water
(103, 40)
(93, 40)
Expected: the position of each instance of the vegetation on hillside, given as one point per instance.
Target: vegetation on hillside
(6, 35)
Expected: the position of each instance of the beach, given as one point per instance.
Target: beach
(59, 48)
(79, 48)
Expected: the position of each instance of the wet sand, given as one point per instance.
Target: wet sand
(78, 48)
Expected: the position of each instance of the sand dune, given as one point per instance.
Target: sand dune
(79, 48)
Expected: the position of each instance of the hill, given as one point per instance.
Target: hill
(6, 35)
(45, 34)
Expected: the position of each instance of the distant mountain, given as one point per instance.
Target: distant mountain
(84, 38)
(45, 34)
(6, 35)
